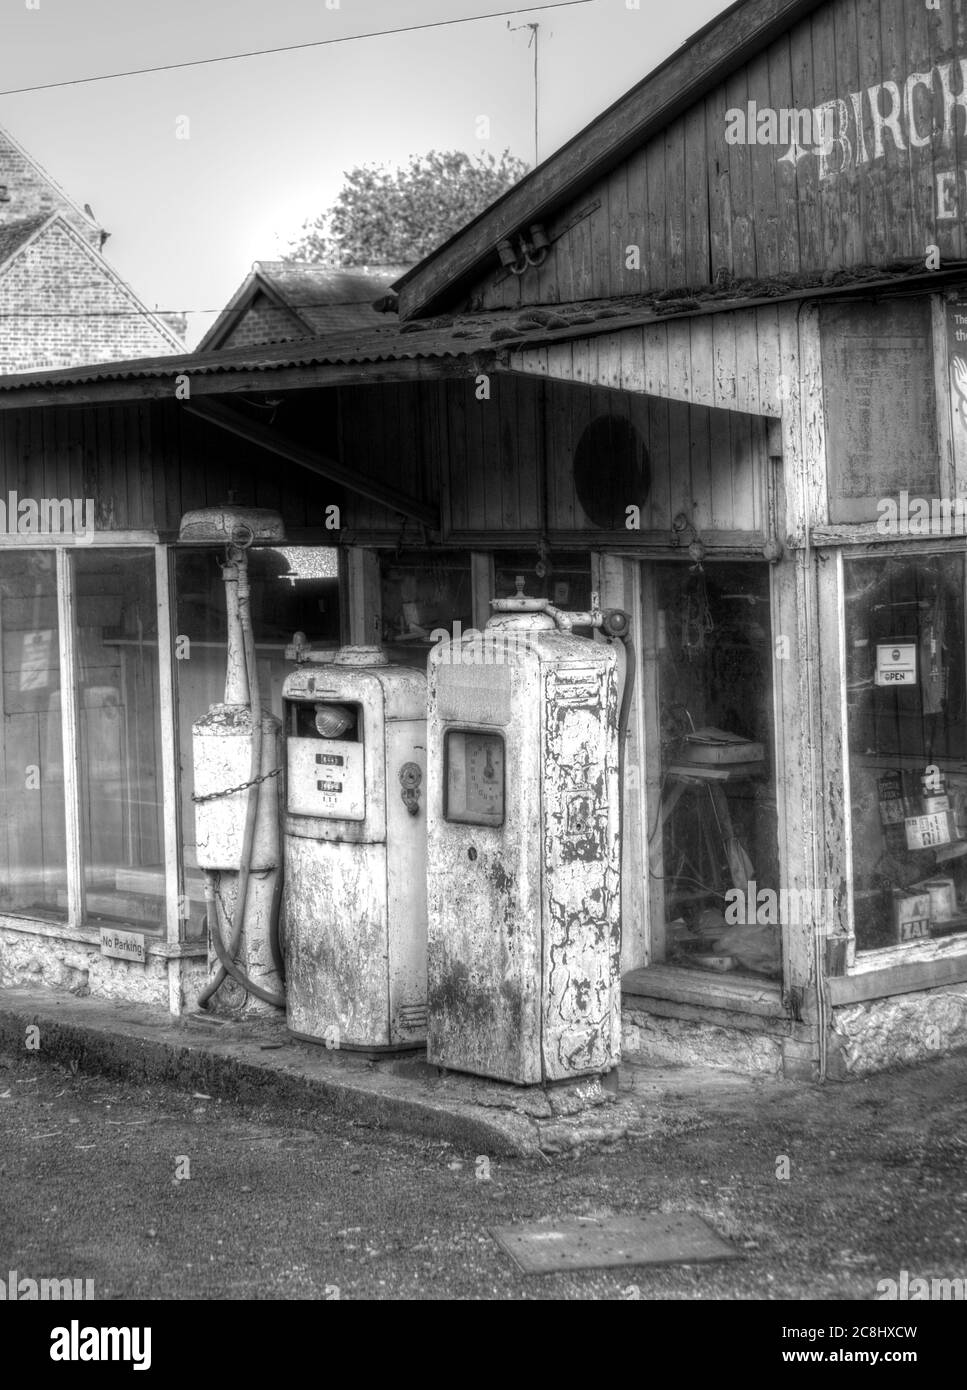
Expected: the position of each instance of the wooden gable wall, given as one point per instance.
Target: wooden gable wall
(695, 205)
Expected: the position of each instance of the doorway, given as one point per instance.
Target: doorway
(713, 863)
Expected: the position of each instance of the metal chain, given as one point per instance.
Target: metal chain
(242, 786)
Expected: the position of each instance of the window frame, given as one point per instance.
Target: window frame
(926, 951)
(709, 983)
(172, 932)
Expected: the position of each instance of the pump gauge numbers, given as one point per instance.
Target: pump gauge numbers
(474, 777)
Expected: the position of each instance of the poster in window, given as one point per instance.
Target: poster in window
(36, 660)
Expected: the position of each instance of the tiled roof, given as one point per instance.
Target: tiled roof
(14, 235)
(321, 298)
(331, 297)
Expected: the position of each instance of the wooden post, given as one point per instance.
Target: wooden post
(618, 581)
(175, 922)
(365, 615)
(70, 736)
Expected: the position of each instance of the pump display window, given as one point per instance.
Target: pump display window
(713, 837)
(906, 701)
(293, 589)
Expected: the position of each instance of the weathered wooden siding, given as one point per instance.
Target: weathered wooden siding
(145, 464)
(390, 432)
(500, 466)
(506, 462)
(695, 205)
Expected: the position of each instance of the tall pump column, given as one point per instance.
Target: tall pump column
(237, 761)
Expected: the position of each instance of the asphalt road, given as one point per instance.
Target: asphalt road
(273, 1205)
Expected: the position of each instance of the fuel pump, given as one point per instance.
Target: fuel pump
(236, 767)
(523, 845)
(355, 851)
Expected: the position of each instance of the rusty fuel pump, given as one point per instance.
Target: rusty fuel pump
(355, 851)
(236, 769)
(523, 832)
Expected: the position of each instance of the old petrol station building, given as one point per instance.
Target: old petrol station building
(679, 370)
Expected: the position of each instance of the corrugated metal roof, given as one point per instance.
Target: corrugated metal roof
(467, 335)
(389, 344)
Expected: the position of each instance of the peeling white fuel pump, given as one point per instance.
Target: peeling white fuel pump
(236, 758)
(355, 851)
(523, 845)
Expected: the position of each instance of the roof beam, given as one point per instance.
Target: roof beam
(707, 59)
(264, 438)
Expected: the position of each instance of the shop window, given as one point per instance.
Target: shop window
(563, 579)
(119, 734)
(423, 594)
(714, 854)
(293, 589)
(33, 853)
(907, 730)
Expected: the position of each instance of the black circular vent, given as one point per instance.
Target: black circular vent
(611, 471)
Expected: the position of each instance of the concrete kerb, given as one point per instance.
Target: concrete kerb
(141, 1044)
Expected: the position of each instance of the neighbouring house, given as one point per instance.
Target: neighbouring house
(718, 383)
(280, 301)
(61, 303)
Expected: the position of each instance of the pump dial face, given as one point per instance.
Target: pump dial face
(475, 778)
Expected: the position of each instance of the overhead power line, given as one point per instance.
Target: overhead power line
(287, 48)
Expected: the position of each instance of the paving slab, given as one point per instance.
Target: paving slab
(543, 1247)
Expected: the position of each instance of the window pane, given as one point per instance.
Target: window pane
(420, 595)
(33, 854)
(564, 579)
(717, 822)
(119, 727)
(294, 589)
(907, 728)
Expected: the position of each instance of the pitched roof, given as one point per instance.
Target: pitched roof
(704, 61)
(322, 298)
(57, 194)
(15, 235)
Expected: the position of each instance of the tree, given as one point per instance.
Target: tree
(392, 216)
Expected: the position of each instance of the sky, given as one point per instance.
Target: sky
(268, 137)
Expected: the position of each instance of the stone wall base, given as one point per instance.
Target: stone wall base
(897, 1031)
(31, 961)
(650, 1040)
